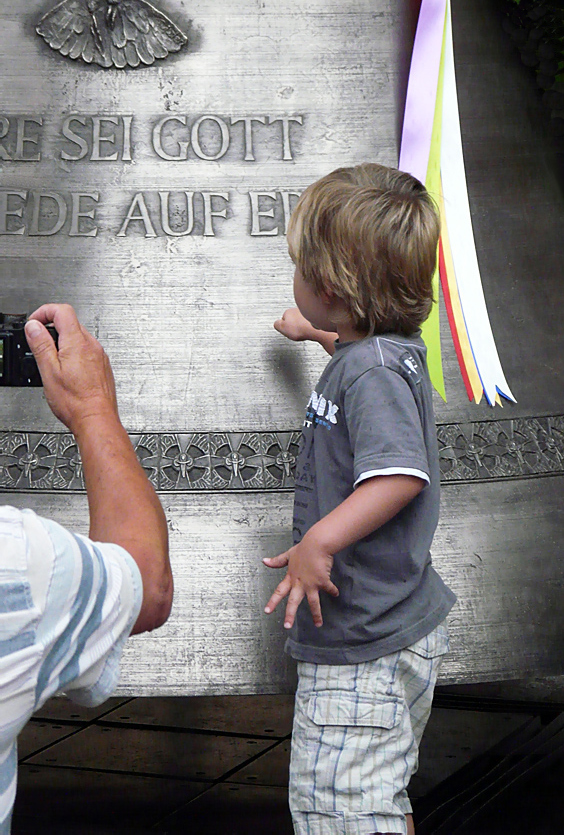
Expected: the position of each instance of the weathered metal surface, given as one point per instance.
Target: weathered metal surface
(214, 139)
(157, 207)
(498, 546)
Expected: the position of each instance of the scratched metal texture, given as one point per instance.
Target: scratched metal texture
(187, 320)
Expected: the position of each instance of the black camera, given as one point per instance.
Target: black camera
(17, 364)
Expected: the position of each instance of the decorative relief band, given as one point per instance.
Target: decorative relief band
(219, 461)
(500, 449)
(182, 462)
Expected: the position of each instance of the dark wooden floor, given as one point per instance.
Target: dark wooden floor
(219, 766)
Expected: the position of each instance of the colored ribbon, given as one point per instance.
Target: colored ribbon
(419, 136)
(431, 150)
(461, 235)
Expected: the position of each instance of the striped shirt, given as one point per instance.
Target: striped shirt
(67, 606)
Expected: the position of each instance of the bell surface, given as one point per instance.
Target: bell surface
(150, 158)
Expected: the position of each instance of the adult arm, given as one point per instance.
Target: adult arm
(297, 328)
(374, 502)
(123, 506)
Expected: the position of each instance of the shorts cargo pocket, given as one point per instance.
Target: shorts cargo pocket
(340, 707)
(340, 751)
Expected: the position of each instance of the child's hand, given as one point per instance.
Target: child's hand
(309, 570)
(295, 326)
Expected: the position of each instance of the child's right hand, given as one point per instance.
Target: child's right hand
(295, 326)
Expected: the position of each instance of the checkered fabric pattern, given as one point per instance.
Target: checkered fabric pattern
(356, 736)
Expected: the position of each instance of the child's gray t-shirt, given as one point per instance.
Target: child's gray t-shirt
(371, 414)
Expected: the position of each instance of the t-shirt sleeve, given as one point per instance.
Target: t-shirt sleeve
(99, 664)
(94, 599)
(384, 426)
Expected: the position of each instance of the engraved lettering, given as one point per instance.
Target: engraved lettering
(209, 213)
(285, 120)
(6, 213)
(77, 229)
(157, 139)
(257, 213)
(4, 128)
(165, 214)
(280, 211)
(248, 120)
(46, 212)
(73, 137)
(22, 138)
(287, 207)
(143, 216)
(127, 122)
(39, 211)
(98, 139)
(195, 137)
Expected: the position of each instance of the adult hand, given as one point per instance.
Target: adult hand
(309, 571)
(77, 378)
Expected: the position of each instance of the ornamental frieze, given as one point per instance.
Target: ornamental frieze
(265, 461)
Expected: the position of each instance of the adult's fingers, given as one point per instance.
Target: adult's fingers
(279, 592)
(62, 316)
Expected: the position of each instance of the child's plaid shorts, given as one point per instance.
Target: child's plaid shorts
(356, 737)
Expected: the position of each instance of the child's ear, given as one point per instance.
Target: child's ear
(327, 296)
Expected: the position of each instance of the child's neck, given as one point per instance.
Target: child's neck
(347, 333)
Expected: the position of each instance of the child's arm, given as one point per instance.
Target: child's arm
(296, 327)
(373, 503)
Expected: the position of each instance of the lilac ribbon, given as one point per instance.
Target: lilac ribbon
(422, 89)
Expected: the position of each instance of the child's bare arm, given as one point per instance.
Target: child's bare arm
(296, 327)
(373, 503)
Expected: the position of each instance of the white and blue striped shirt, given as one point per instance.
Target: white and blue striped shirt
(67, 606)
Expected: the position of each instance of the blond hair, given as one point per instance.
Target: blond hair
(369, 234)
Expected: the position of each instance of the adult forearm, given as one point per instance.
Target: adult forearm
(125, 509)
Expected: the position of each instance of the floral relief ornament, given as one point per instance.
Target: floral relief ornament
(111, 33)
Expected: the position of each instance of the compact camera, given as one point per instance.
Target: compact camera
(17, 364)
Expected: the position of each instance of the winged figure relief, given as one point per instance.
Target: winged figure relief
(111, 33)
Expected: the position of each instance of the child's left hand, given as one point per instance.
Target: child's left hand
(309, 571)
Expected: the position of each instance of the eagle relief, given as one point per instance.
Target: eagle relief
(111, 33)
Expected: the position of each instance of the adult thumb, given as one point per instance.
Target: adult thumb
(42, 346)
